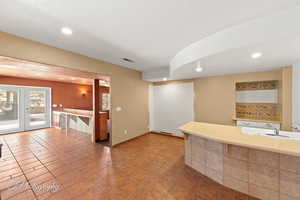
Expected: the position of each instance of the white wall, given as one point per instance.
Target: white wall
(296, 94)
(151, 118)
(171, 106)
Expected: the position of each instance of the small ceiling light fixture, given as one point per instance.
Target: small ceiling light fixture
(199, 68)
(66, 31)
(256, 55)
(165, 79)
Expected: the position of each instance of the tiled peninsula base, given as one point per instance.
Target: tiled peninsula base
(261, 174)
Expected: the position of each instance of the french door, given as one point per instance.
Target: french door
(37, 108)
(11, 112)
(24, 108)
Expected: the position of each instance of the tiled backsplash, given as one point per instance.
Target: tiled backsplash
(258, 85)
(258, 111)
(258, 101)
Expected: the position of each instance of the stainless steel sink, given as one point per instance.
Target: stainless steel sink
(278, 135)
(270, 133)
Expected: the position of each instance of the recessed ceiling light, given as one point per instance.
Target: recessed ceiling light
(128, 60)
(256, 55)
(165, 79)
(73, 78)
(66, 31)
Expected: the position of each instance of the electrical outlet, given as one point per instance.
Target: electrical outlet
(125, 132)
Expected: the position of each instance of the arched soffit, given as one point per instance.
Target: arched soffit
(271, 28)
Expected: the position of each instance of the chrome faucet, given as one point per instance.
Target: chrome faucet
(276, 131)
(296, 127)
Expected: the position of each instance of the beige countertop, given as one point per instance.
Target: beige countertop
(232, 135)
(78, 112)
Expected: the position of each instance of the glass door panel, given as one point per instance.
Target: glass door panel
(11, 114)
(37, 108)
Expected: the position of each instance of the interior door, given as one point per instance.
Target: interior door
(11, 112)
(37, 108)
(171, 106)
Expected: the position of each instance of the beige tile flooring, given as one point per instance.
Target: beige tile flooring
(150, 167)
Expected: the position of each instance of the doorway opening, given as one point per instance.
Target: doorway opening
(36, 95)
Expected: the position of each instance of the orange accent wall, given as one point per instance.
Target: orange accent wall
(67, 94)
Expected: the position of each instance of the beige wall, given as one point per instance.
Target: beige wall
(286, 98)
(215, 96)
(128, 89)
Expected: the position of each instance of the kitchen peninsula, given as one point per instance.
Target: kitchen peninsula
(264, 167)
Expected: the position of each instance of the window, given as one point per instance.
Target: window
(105, 101)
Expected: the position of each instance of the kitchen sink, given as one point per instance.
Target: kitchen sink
(271, 133)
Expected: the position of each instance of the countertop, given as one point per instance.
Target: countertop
(78, 112)
(233, 135)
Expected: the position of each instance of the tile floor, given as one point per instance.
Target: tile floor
(150, 167)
